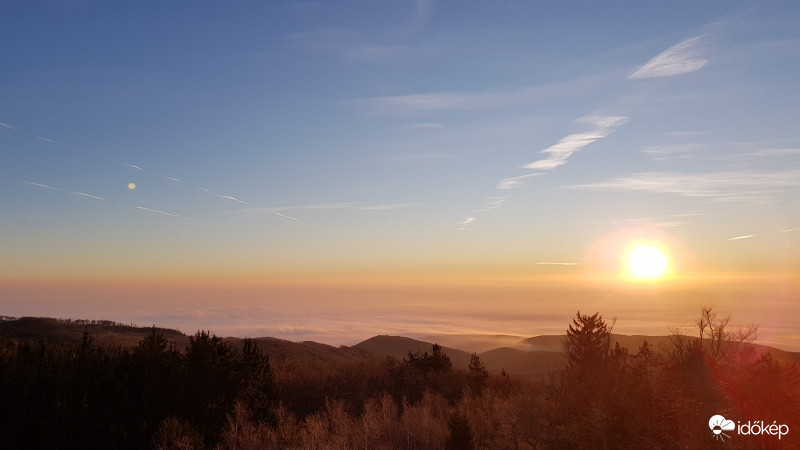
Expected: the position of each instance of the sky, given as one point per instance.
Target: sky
(333, 170)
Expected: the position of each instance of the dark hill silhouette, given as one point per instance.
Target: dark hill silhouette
(111, 334)
(70, 331)
(308, 351)
(398, 347)
(540, 354)
(513, 361)
(473, 342)
(546, 343)
(527, 357)
(522, 363)
(657, 344)
(554, 343)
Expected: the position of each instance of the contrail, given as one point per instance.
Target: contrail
(741, 237)
(44, 138)
(156, 211)
(133, 166)
(234, 199)
(174, 179)
(42, 185)
(204, 189)
(7, 126)
(88, 195)
(288, 217)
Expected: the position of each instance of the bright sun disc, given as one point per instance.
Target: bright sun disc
(647, 262)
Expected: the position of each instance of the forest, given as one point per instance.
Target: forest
(210, 393)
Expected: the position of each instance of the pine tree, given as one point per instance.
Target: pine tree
(477, 374)
(460, 433)
(588, 346)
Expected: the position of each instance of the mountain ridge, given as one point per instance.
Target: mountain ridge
(531, 356)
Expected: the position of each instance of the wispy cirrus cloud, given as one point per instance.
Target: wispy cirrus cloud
(442, 101)
(774, 152)
(683, 57)
(422, 10)
(417, 157)
(494, 203)
(515, 182)
(722, 186)
(661, 152)
(348, 45)
(560, 152)
(691, 214)
(277, 210)
(385, 207)
(378, 53)
(644, 222)
(332, 206)
(436, 101)
(558, 155)
(466, 222)
(423, 126)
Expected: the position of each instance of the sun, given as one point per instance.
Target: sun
(647, 262)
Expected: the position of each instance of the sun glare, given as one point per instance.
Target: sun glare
(647, 262)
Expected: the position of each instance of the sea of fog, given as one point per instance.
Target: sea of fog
(344, 315)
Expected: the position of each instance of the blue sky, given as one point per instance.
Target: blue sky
(273, 139)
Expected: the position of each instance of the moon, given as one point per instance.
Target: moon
(647, 262)
(131, 186)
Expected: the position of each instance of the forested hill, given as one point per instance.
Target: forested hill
(529, 356)
(70, 331)
(504, 359)
(536, 355)
(72, 384)
(111, 334)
